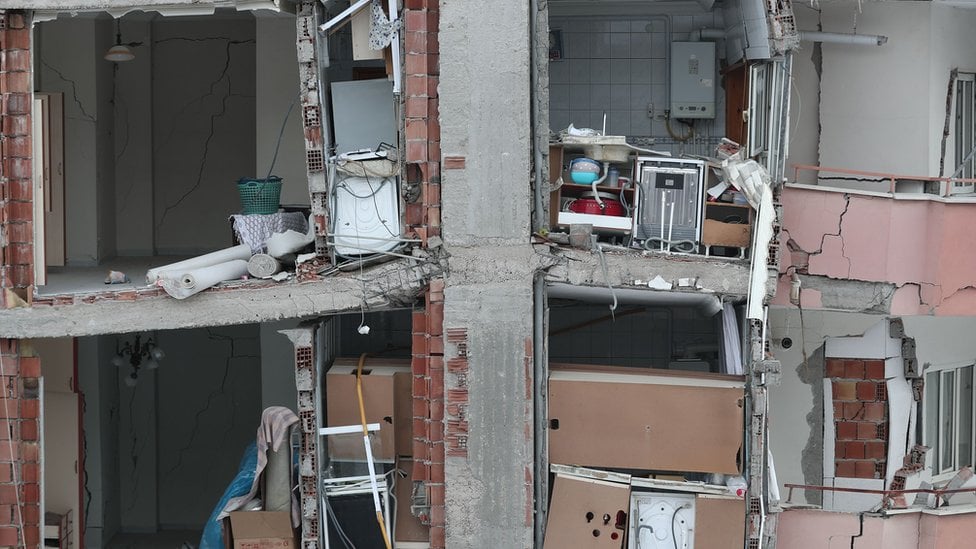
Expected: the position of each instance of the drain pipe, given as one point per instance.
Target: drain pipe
(806, 36)
(843, 38)
(538, 220)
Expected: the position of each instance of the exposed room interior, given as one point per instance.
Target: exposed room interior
(144, 150)
(159, 439)
(648, 99)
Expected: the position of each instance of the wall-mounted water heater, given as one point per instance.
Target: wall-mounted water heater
(693, 80)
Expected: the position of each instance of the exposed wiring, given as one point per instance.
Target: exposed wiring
(13, 461)
(281, 134)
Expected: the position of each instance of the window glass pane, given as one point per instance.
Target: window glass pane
(932, 417)
(965, 416)
(946, 421)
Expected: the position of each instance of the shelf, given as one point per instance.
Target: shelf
(599, 222)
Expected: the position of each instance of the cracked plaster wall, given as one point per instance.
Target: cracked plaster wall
(208, 408)
(204, 128)
(877, 254)
(70, 62)
(796, 404)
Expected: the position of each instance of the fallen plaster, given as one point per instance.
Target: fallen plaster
(389, 285)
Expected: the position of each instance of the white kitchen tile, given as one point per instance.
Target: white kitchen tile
(640, 124)
(578, 45)
(600, 45)
(659, 95)
(620, 71)
(659, 71)
(600, 96)
(596, 118)
(640, 45)
(659, 45)
(559, 72)
(618, 123)
(580, 119)
(579, 71)
(558, 119)
(640, 71)
(599, 71)
(658, 25)
(579, 96)
(620, 25)
(559, 96)
(640, 96)
(620, 96)
(679, 36)
(620, 45)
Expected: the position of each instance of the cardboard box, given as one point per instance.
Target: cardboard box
(717, 233)
(259, 530)
(386, 398)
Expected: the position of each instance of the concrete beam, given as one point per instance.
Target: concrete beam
(393, 284)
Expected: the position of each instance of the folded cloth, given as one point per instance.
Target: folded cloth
(276, 422)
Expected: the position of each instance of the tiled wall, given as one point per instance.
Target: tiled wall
(618, 66)
(648, 339)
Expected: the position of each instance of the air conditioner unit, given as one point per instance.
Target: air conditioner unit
(670, 212)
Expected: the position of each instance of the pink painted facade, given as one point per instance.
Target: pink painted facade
(924, 248)
(814, 529)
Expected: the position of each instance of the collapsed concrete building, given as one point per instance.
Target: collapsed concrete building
(607, 273)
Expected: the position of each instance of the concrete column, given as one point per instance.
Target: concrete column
(485, 194)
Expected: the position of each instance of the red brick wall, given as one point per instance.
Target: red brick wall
(422, 124)
(427, 366)
(860, 400)
(16, 235)
(19, 448)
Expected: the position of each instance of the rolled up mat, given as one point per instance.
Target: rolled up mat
(241, 251)
(263, 266)
(196, 280)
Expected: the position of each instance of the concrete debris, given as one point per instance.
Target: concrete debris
(116, 277)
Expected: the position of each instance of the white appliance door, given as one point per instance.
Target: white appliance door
(367, 217)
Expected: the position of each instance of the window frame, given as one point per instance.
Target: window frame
(947, 430)
(964, 129)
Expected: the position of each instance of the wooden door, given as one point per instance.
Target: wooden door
(736, 102)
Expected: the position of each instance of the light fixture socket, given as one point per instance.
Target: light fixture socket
(119, 54)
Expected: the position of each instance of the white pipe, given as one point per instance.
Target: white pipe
(708, 304)
(662, 224)
(606, 171)
(670, 226)
(843, 38)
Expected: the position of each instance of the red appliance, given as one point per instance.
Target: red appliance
(587, 204)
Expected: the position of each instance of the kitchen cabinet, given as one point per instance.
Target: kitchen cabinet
(562, 196)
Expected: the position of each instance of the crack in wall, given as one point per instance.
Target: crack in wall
(224, 75)
(135, 449)
(211, 397)
(74, 93)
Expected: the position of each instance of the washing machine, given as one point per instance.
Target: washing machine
(662, 520)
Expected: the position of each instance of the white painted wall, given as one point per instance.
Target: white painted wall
(278, 366)
(204, 128)
(874, 100)
(133, 141)
(208, 409)
(276, 88)
(953, 47)
(805, 99)
(67, 63)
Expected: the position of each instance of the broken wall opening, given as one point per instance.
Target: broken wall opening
(644, 386)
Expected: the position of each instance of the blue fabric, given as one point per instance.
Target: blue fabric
(213, 537)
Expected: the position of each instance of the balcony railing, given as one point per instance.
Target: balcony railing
(896, 183)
